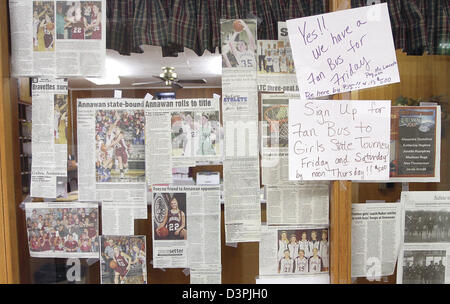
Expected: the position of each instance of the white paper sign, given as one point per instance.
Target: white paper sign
(343, 51)
(339, 140)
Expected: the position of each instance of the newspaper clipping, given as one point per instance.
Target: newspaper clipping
(177, 210)
(111, 156)
(276, 71)
(62, 230)
(205, 276)
(426, 234)
(58, 38)
(240, 108)
(415, 144)
(49, 138)
(274, 138)
(293, 250)
(375, 239)
(182, 131)
(123, 260)
(295, 203)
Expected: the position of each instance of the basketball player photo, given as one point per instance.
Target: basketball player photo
(120, 146)
(207, 131)
(43, 26)
(275, 123)
(123, 259)
(303, 251)
(183, 131)
(238, 43)
(60, 120)
(81, 20)
(169, 216)
(274, 57)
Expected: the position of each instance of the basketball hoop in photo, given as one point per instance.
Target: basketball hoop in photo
(277, 117)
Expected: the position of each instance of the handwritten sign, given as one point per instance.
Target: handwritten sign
(343, 51)
(339, 140)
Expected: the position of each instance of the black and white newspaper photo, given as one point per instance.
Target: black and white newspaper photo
(111, 154)
(183, 131)
(298, 204)
(276, 72)
(178, 210)
(62, 230)
(294, 250)
(375, 239)
(426, 238)
(58, 37)
(123, 259)
(49, 137)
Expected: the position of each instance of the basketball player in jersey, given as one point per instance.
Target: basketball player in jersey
(283, 63)
(60, 123)
(243, 52)
(314, 243)
(77, 22)
(123, 262)
(276, 59)
(36, 25)
(87, 13)
(174, 221)
(68, 19)
(301, 263)
(286, 264)
(269, 62)
(120, 151)
(293, 246)
(304, 245)
(138, 261)
(315, 262)
(186, 126)
(323, 250)
(96, 22)
(282, 245)
(48, 28)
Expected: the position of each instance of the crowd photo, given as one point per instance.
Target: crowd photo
(303, 251)
(424, 267)
(62, 230)
(120, 146)
(123, 260)
(423, 226)
(78, 20)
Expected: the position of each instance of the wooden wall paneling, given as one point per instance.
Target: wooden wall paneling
(8, 229)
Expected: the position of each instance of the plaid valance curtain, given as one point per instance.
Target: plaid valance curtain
(194, 24)
(418, 26)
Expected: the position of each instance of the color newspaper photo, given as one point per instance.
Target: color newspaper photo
(169, 220)
(43, 26)
(79, 20)
(276, 124)
(123, 259)
(60, 108)
(303, 251)
(239, 45)
(275, 57)
(424, 267)
(62, 232)
(120, 146)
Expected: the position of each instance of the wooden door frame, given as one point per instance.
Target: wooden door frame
(9, 253)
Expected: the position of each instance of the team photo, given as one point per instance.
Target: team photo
(424, 267)
(123, 260)
(275, 57)
(55, 231)
(43, 26)
(169, 216)
(79, 20)
(422, 226)
(120, 146)
(60, 108)
(303, 251)
(239, 45)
